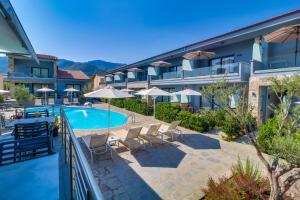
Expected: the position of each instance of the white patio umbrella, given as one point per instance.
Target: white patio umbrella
(154, 93)
(4, 91)
(71, 90)
(188, 92)
(127, 90)
(108, 93)
(45, 90)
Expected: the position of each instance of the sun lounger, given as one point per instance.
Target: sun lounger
(151, 134)
(130, 138)
(97, 144)
(51, 102)
(38, 102)
(66, 101)
(171, 129)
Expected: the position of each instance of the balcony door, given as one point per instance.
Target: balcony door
(222, 65)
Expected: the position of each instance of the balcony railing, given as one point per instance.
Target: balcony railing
(170, 75)
(213, 70)
(283, 61)
(24, 75)
(79, 182)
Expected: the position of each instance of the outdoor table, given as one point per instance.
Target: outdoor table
(50, 120)
(113, 140)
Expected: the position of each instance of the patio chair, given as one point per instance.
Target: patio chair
(38, 102)
(31, 130)
(130, 138)
(97, 144)
(66, 101)
(75, 101)
(151, 134)
(171, 129)
(33, 137)
(51, 102)
(42, 113)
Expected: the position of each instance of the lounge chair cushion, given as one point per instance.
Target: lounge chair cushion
(95, 141)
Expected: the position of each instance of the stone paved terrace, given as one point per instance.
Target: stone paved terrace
(174, 170)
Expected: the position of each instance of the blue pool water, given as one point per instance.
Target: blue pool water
(88, 118)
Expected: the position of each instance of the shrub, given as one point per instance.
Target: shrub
(166, 111)
(184, 117)
(22, 94)
(117, 102)
(195, 122)
(1, 98)
(266, 134)
(232, 129)
(138, 106)
(103, 100)
(219, 117)
(211, 118)
(199, 123)
(246, 183)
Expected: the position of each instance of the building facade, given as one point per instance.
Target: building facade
(241, 56)
(98, 81)
(45, 73)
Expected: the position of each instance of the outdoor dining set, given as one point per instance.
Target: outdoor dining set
(29, 137)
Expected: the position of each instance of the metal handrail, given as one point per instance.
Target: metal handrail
(80, 163)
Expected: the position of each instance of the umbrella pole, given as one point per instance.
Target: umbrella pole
(45, 98)
(154, 98)
(108, 113)
(297, 41)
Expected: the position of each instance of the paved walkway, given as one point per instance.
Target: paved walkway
(174, 170)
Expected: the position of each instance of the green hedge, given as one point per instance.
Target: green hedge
(117, 102)
(138, 106)
(166, 111)
(192, 121)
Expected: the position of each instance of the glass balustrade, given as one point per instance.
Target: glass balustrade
(213, 70)
(279, 62)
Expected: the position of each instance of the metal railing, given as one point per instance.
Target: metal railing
(25, 75)
(170, 75)
(283, 61)
(213, 70)
(79, 182)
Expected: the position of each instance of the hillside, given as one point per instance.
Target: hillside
(90, 67)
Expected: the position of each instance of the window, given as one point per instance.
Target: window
(37, 86)
(75, 86)
(40, 72)
(221, 65)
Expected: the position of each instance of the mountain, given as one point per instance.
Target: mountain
(90, 67)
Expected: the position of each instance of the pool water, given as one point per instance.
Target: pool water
(88, 118)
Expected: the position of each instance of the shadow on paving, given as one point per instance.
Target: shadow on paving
(135, 185)
(199, 141)
(118, 168)
(165, 155)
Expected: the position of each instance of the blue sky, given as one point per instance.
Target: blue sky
(130, 30)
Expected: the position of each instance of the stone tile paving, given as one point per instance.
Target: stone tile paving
(174, 170)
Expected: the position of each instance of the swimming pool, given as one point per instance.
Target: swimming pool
(88, 118)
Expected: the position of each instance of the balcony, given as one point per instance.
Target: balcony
(284, 63)
(137, 84)
(21, 76)
(118, 84)
(234, 72)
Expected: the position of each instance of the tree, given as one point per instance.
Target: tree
(285, 155)
(22, 94)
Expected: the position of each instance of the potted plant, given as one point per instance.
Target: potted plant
(56, 126)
